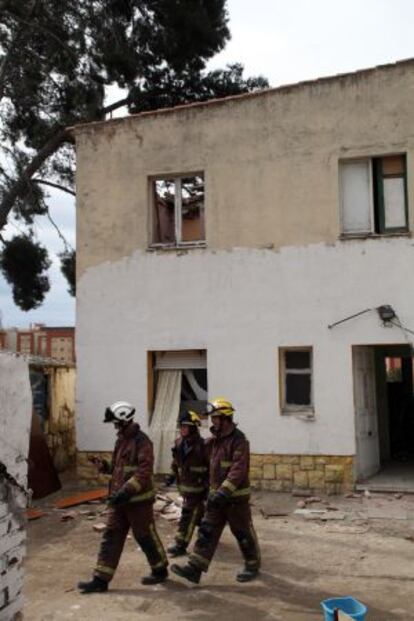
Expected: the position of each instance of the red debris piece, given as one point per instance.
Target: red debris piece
(81, 498)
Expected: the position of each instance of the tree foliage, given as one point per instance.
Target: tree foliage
(23, 264)
(57, 60)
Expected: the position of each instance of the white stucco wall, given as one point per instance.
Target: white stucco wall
(15, 417)
(241, 305)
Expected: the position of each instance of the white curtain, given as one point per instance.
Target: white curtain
(163, 428)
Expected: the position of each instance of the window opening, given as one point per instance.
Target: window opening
(374, 195)
(178, 211)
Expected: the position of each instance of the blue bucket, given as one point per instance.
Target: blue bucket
(351, 606)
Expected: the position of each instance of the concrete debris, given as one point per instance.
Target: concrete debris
(271, 514)
(99, 527)
(320, 514)
(171, 517)
(70, 515)
(301, 504)
(367, 494)
(398, 496)
(312, 499)
(168, 506)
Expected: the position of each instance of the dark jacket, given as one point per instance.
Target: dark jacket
(229, 463)
(190, 465)
(132, 464)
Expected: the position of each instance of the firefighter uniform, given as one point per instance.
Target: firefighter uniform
(132, 480)
(190, 468)
(229, 483)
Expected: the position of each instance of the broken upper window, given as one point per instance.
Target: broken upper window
(178, 210)
(296, 379)
(374, 195)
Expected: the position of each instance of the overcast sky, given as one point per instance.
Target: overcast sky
(284, 41)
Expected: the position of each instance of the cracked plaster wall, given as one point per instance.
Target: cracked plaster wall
(15, 417)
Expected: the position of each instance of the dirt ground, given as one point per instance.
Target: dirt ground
(364, 548)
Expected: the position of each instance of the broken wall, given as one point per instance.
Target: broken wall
(60, 425)
(15, 416)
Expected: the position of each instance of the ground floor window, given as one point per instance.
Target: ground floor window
(296, 391)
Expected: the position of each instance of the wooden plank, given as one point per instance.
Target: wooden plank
(79, 499)
(342, 616)
(34, 514)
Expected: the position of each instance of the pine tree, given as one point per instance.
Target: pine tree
(56, 60)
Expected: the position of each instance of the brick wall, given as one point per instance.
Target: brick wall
(15, 416)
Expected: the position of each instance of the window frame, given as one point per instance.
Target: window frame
(376, 196)
(290, 408)
(378, 190)
(178, 243)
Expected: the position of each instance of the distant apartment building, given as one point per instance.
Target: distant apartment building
(39, 340)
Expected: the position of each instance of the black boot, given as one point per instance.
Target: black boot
(96, 585)
(247, 574)
(189, 572)
(176, 549)
(156, 576)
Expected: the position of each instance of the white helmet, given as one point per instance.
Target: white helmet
(120, 411)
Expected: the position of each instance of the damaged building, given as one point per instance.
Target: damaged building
(221, 245)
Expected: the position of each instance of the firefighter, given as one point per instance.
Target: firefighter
(190, 469)
(130, 499)
(228, 499)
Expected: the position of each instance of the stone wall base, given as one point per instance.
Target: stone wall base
(328, 474)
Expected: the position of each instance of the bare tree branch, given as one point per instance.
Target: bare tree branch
(59, 232)
(59, 138)
(19, 187)
(54, 185)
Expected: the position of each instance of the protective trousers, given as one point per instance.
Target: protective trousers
(191, 514)
(238, 516)
(140, 518)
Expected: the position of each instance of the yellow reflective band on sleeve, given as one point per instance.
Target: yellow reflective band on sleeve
(225, 464)
(244, 491)
(135, 484)
(198, 468)
(129, 468)
(145, 496)
(104, 569)
(229, 485)
(188, 489)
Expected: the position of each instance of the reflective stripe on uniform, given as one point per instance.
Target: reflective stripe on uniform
(229, 485)
(188, 489)
(198, 468)
(160, 548)
(225, 464)
(135, 484)
(199, 561)
(104, 569)
(244, 491)
(144, 496)
(129, 468)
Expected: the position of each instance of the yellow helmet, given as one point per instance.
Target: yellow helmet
(220, 407)
(190, 418)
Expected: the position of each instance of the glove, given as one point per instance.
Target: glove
(120, 498)
(216, 500)
(169, 479)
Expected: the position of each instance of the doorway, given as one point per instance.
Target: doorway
(384, 416)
